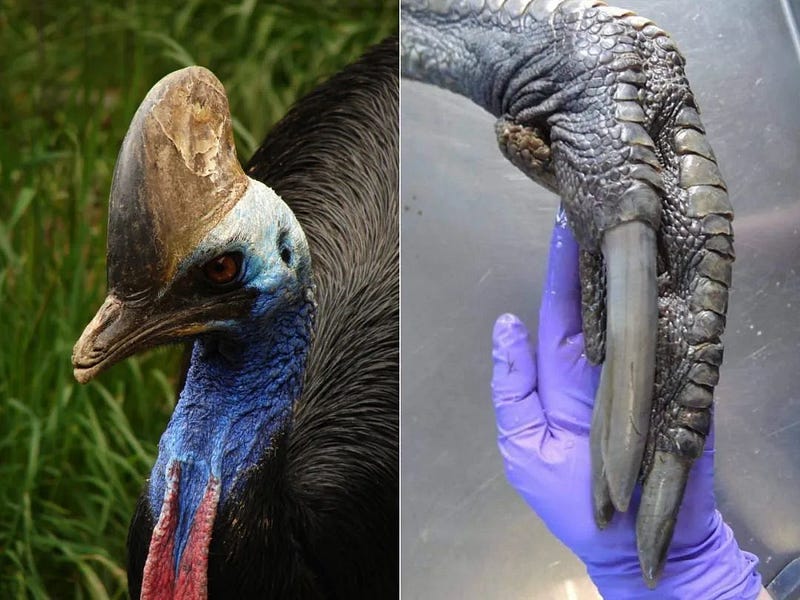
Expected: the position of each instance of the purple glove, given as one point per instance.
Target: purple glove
(543, 405)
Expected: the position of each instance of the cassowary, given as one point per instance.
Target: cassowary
(277, 475)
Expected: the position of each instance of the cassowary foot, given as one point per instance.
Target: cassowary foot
(593, 103)
(653, 218)
(693, 274)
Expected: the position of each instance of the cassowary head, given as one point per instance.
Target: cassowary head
(198, 250)
(194, 245)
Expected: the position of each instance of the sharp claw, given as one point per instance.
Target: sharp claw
(626, 383)
(661, 498)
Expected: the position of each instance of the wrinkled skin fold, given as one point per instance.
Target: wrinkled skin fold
(592, 102)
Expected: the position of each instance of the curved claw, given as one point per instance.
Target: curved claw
(661, 498)
(624, 397)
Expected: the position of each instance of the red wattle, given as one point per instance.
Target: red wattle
(193, 569)
(159, 580)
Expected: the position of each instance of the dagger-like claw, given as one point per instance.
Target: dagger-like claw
(662, 493)
(624, 397)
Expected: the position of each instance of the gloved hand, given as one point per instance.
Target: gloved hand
(543, 405)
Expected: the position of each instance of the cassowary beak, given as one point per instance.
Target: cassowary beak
(176, 177)
(119, 330)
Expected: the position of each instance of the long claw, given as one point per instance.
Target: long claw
(661, 498)
(626, 382)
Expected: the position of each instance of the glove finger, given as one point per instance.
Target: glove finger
(560, 312)
(563, 367)
(516, 404)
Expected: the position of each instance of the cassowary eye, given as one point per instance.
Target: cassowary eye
(223, 269)
(286, 251)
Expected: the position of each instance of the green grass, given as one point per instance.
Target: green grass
(73, 458)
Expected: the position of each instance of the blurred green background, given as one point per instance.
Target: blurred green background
(73, 458)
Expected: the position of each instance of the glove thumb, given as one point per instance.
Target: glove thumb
(521, 421)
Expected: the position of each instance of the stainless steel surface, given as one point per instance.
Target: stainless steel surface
(474, 240)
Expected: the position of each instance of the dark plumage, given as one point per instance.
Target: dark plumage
(317, 516)
(334, 159)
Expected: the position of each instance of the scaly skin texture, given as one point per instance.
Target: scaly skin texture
(593, 103)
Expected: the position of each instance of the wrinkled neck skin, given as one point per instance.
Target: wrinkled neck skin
(238, 396)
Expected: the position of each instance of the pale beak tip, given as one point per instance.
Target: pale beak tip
(82, 375)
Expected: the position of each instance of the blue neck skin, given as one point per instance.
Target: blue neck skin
(238, 396)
